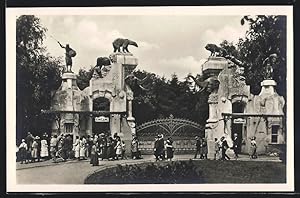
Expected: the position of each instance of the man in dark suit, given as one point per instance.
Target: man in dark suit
(198, 146)
(161, 147)
(224, 149)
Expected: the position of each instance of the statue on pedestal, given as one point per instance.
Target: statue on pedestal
(101, 62)
(70, 53)
(215, 50)
(269, 63)
(119, 42)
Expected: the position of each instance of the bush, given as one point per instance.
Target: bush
(153, 173)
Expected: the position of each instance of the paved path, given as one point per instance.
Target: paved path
(74, 172)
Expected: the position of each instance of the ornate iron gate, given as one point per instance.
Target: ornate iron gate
(182, 132)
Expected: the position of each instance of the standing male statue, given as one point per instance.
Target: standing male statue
(269, 63)
(69, 54)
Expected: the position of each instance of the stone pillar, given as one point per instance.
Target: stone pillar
(129, 63)
(272, 103)
(89, 125)
(267, 87)
(128, 129)
(211, 125)
(66, 99)
(115, 123)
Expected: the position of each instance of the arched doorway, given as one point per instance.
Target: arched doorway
(100, 122)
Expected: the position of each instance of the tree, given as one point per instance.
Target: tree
(230, 48)
(266, 35)
(38, 75)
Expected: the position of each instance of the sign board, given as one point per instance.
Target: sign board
(239, 121)
(101, 119)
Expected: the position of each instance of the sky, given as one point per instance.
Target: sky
(168, 44)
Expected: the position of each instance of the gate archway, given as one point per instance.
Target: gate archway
(181, 130)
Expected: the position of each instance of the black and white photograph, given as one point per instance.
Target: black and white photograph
(112, 99)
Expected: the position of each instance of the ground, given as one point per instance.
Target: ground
(75, 172)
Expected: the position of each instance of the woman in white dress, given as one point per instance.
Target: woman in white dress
(76, 147)
(44, 149)
(34, 150)
(82, 144)
(118, 148)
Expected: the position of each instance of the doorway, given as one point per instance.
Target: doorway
(100, 122)
(237, 123)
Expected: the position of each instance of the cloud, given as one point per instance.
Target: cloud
(181, 66)
(229, 33)
(147, 46)
(94, 37)
(164, 51)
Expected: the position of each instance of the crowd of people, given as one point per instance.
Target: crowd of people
(99, 146)
(221, 147)
(104, 147)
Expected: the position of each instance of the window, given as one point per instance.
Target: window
(274, 135)
(69, 127)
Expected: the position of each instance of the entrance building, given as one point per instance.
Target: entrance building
(233, 109)
(103, 107)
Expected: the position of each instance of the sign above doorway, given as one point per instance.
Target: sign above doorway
(101, 119)
(239, 121)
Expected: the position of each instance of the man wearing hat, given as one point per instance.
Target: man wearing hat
(23, 151)
(224, 147)
(198, 146)
(29, 140)
(156, 154)
(38, 140)
(161, 147)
